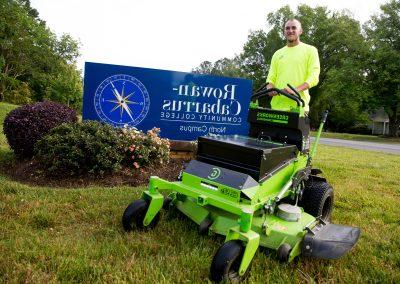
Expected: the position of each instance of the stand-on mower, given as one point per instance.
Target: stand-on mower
(259, 190)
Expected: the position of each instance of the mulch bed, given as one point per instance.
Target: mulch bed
(28, 172)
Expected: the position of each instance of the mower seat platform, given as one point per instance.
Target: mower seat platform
(254, 157)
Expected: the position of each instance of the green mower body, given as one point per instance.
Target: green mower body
(257, 190)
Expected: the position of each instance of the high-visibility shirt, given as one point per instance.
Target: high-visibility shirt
(293, 65)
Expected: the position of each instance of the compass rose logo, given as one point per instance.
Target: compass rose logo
(122, 100)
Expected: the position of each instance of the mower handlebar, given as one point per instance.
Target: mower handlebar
(264, 92)
(297, 94)
(324, 116)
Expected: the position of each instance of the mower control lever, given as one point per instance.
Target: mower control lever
(324, 116)
(297, 93)
(264, 92)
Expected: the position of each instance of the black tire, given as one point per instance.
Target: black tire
(317, 199)
(283, 252)
(226, 262)
(205, 226)
(134, 215)
(167, 202)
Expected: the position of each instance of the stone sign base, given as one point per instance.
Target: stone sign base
(185, 150)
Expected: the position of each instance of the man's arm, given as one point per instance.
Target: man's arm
(313, 68)
(300, 88)
(271, 78)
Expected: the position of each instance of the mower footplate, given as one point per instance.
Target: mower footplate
(329, 240)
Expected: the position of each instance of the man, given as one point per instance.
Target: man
(296, 64)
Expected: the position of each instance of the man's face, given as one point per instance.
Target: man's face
(292, 31)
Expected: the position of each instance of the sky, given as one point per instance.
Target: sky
(170, 34)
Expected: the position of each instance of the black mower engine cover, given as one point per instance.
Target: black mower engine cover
(254, 157)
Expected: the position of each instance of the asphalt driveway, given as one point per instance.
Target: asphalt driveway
(372, 146)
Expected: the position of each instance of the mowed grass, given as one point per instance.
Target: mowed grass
(359, 137)
(5, 153)
(57, 234)
(75, 235)
(4, 109)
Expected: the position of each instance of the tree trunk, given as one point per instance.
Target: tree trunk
(394, 122)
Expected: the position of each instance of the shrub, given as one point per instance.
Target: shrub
(81, 148)
(25, 125)
(145, 149)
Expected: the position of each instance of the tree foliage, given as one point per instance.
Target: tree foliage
(383, 33)
(350, 61)
(35, 64)
(222, 67)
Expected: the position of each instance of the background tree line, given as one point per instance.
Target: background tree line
(360, 65)
(36, 65)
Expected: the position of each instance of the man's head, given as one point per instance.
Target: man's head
(292, 31)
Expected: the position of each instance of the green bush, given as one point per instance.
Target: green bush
(91, 147)
(145, 148)
(81, 148)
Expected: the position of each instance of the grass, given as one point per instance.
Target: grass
(5, 153)
(359, 137)
(75, 235)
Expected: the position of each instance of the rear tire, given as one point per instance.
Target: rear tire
(226, 262)
(317, 199)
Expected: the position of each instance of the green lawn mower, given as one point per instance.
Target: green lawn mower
(257, 190)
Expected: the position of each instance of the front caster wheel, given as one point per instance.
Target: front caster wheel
(205, 226)
(134, 215)
(226, 262)
(283, 252)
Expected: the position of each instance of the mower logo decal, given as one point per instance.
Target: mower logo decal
(215, 173)
(273, 117)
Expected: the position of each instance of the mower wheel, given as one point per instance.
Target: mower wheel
(134, 215)
(166, 203)
(283, 252)
(226, 262)
(317, 199)
(204, 226)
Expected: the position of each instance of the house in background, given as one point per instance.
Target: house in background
(379, 122)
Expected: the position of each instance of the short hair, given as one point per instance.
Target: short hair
(293, 20)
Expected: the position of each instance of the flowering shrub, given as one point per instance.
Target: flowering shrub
(96, 148)
(145, 149)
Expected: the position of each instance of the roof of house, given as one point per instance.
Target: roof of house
(379, 116)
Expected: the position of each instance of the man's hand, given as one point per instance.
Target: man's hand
(289, 90)
(273, 93)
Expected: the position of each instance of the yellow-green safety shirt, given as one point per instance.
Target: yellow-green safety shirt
(294, 65)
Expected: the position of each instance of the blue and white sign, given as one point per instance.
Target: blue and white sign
(183, 105)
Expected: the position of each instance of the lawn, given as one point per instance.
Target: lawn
(359, 137)
(75, 235)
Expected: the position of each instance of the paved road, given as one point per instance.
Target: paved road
(373, 146)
